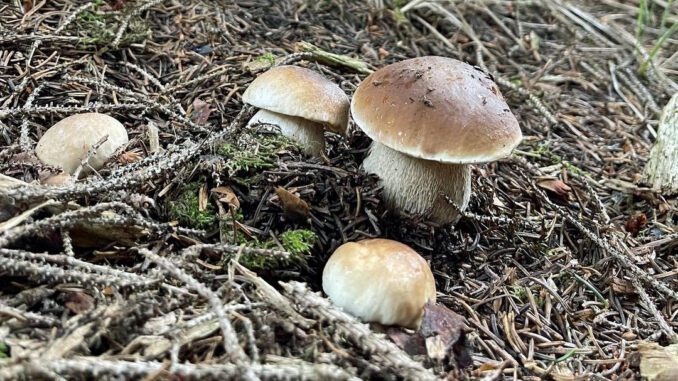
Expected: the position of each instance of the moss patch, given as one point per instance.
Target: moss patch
(185, 208)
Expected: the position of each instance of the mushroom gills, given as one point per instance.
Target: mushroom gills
(417, 185)
(305, 132)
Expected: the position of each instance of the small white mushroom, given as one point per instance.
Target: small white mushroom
(381, 281)
(67, 142)
(304, 101)
(429, 118)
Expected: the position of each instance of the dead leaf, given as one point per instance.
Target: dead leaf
(28, 5)
(383, 53)
(412, 344)
(658, 363)
(227, 196)
(556, 186)
(79, 302)
(291, 203)
(636, 223)
(201, 112)
(202, 198)
(450, 330)
(129, 157)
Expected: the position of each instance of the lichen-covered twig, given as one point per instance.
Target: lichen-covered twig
(97, 367)
(231, 345)
(381, 350)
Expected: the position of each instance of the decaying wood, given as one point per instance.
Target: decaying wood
(662, 168)
(658, 363)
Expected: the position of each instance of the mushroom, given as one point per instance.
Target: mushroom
(380, 280)
(429, 118)
(301, 102)
(67, 143)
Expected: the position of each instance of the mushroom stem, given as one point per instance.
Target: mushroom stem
(307, 133)
(417, 185)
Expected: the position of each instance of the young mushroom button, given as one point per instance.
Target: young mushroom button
(380, 281)
(301, 102)
(67, 143)
(429, 118)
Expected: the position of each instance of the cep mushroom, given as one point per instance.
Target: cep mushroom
(429, 118)
(301, 102)
(67, 143)
(381, 281)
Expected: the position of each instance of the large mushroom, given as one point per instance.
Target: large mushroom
(67, 143)
(429, 118)
(301, 102)
(380, 280)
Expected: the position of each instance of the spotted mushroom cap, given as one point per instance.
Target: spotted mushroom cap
(436, 108)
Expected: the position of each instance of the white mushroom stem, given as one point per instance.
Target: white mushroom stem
(305, 132)
(416, 185)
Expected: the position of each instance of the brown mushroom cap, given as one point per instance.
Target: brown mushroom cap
(436, 108)
(297, 91)
(379, 280)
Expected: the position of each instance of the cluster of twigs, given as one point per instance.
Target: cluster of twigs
(562, 265)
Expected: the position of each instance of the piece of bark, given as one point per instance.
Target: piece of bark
(661, 170)
(658, 363)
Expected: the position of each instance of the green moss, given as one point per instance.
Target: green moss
(101, 28)
(519, 292)
(297, 242)
(261, 153)
(185, 208)
(4, 351)
(543, 151)
(267, 57)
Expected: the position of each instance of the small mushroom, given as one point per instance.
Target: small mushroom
(381, 281)
(301, 102)
(67, 142)
(429, 118)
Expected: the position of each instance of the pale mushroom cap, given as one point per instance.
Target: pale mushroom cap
(297, 91)
(380, 280)
(66, 143)
(436, 108)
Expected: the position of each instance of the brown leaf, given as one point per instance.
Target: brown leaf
(28, 5)
(129, 157)
(227, 196)
(291, 203)
(79, 302)
(635, 223)
(442, 327)
(383, 53)
(201, 112)
(202, 198)
(556, 186)
(412, 344)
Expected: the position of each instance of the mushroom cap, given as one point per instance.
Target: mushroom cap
(436, 108)
(380, 280)
(66, 143)
(297, 91)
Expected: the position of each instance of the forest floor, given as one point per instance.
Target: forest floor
(563, 266)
